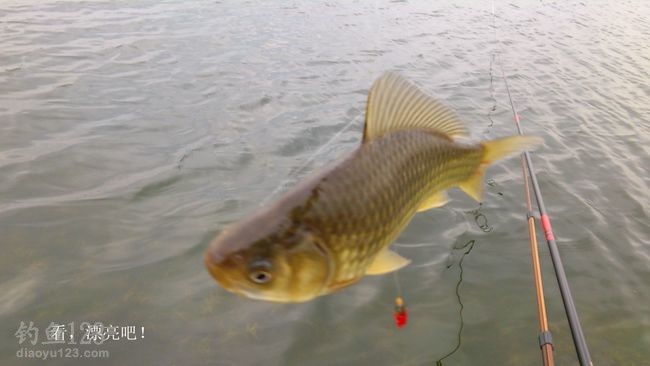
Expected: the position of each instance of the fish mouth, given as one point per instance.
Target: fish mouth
(218, 273)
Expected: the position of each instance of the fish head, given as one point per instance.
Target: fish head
(280, 262)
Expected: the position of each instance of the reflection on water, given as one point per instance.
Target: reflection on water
(133, 132)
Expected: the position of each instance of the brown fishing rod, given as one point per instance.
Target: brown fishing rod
(545, 339)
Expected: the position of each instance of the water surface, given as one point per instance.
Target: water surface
(131, 133)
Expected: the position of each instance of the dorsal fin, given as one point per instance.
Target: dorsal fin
(395, 103)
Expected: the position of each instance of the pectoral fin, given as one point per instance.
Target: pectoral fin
(436, 200)
(387, 261)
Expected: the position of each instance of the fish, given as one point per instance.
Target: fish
(335, 227)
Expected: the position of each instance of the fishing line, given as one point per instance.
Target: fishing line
(293, 175)
(469, 244)
(492, 96)
(397, 285)
(480, 218)
(283, 185)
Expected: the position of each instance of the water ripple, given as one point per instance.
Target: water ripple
(133, 132)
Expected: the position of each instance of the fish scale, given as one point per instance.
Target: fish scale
(414, 163)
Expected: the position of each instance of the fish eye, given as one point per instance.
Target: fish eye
(260, 277)
(260, 271)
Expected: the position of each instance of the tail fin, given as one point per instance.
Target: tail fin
(493, 151)
(502, 148)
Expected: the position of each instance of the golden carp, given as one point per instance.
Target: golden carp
(334, 228)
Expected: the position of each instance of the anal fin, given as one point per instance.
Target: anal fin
(436, 200)
(474, 185)
(387, 261)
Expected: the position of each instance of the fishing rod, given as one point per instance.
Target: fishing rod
(545, 337)
(569, 306)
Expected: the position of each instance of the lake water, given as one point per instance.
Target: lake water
(132, 132)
